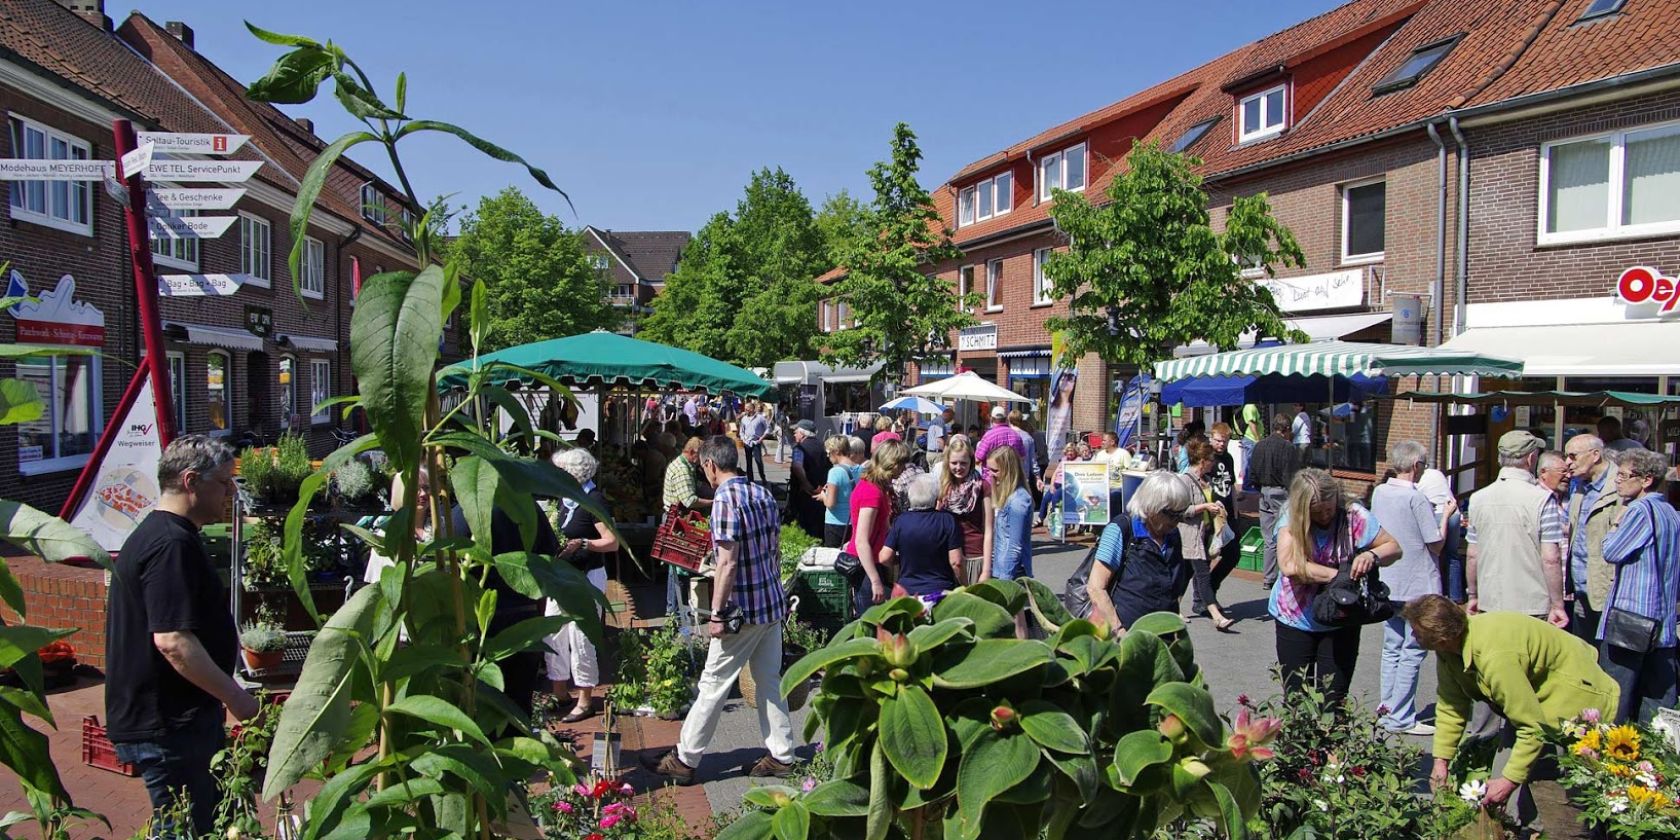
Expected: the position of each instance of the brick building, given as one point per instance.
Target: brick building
(64, 77)
(637, 262)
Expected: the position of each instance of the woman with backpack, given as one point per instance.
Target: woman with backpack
(1138, 566)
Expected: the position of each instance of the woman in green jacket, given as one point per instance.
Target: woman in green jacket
(1534, 674)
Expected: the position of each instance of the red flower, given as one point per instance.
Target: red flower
(601, 788)
(1359, 772)
(1304, 774)
(595, 836)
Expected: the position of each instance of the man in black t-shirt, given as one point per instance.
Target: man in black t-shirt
(1223, 481)
(170, 641)
(810, 471)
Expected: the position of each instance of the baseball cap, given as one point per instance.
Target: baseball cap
(1517, 443)
(806, 426)
(998, 413)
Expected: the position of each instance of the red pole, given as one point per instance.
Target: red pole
(145, 283)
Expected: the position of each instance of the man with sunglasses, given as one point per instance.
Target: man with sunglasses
(1593, 507)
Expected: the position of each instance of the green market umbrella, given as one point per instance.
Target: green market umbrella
(603, 359)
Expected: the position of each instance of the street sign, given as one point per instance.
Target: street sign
(199, 285)
(138, 161)
(186, 171)
(194, 144)
(192, 227)
(185, 199)
(259, 320)
(32, 169)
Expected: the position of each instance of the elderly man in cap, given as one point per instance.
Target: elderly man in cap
(810, 465)
(1516, 538)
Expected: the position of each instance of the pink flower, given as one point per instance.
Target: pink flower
(1242, 700)
(1590, 755)
(1251, 736)
(626, 790)
(1645, 767)
(563, 807)
(580, 790)
(610, 820)
(1304, 774)
(1590, 715)
(808, 785)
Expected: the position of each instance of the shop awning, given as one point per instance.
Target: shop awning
(814, 373)
(217, 336)
(1323, 328)
(1239, 390)
(307, 343)
(1337, 358)
(1625, 399)
(601, 358)
(1641, 348)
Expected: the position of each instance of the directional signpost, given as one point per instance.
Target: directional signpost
(194, 144)
(186, 199)
(35, 169)
(199, 285)
(192, 227)
(197, 171)
(138, 161)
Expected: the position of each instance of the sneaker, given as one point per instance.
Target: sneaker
(671, 767)
(1421, 728)
(768, 766)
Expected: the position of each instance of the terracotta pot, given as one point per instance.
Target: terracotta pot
(264, 660)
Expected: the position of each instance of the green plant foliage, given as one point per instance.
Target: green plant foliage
(239, 768)
(933, 726)
(264, 565)
(1146, 272)
(657, 669)
(795, 542)
(354, 482)
(1625, 779)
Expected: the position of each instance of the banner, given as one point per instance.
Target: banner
(1132, 397)
(1084, 493)
(125, 488)
(1058, 415)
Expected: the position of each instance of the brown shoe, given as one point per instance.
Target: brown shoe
(671, 767)
(768, 766)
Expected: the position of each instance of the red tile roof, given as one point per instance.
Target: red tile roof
(1566, 52)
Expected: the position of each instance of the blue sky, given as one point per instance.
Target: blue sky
(652, 114)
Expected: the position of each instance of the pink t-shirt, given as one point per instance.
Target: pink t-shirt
(868, 494)
(881, 437)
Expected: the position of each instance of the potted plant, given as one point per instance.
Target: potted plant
(355, 486)
(272, 475)
(264, 642)
(265, 564)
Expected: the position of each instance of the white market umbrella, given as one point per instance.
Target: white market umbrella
(920, 405)
(966, 386)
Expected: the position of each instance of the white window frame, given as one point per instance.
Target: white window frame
(1375, 256)
(176, 362)
(1613, 228)
(249, 260)
(965, 282)
(967, 202)
(52, 462)
(73, 188)
(1057, 163)
(970, 208)
(373, 204)
(1244, 135)
(227, 392)
(320, 377)
(994, 286)
(1041, 284)
(1005, 193)
(600, 261)
(183, 244)
(314, 266)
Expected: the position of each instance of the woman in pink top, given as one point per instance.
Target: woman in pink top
(871, 512)
(883, 432)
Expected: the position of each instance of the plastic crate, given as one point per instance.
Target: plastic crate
(97, 750)
(682, 540)
(1253, 556)
(825, 599)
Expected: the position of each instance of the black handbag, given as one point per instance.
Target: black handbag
(1345, 602)
(849, 567)
(1629, 630)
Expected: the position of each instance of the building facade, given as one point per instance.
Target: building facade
(636, 263)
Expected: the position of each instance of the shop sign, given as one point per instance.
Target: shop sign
(982, 337)
(126, 487)
(36, 169)
(194, 144)
(1642, 285)
(191, 227)
(55, 317)
(259, 320)
(199, 285)
(169, 198)
(137, 161)
(1335, 290)
(197, 171)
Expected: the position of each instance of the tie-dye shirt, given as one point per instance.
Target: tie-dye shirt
(1291, 602)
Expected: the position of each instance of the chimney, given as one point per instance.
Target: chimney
(305, 123)
(92, 11)
(181, 31)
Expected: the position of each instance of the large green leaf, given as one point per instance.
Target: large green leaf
(838, 798)
(475, 484)
(929, 636)
(295, 76)
(1230, 813)
(24, 750)
(913, 736)
(1140, 658)
(46, 536)
(995, 763)
(753, 825)
(403, 792)
(317, 714)
(19, 402)
(1138, 751)
(559, 581)
(484, 146)
(821, 658)
(523, 636)
(532, 477)
(879, 819)
(394, 336)
(11, 592)
(280, 39)
(20, 640)
(989, 618)
(1045, 606)
(361, 102)
(438, 712)
(990, 660)
(1005, 593)
(1052, 728)
(1194, 706)
(793, 822)
(1081, 770)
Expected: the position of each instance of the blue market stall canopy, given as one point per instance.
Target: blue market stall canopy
(1337, 358)
(1272, 388)
(607, 359)
(920, 405)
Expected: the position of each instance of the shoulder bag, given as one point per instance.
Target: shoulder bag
(1074, 597)
(1626, 629)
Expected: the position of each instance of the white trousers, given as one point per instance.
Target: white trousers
(759, 647)
(571, 656)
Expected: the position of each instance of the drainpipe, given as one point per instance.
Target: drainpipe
(1438, 287)
(1463, 223)
(1034, 167)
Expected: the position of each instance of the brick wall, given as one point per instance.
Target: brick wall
(61, 597)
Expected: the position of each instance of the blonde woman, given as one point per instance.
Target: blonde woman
(963, 492)
(836, 492)
(871, 509)
(883, 432)
(1011, 556)
(571, 660)
(1319, 533)
(378, 563)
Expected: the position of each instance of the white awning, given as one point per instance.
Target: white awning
(307, 343)
(218, 336)
(1324, 328)
(1638, 348)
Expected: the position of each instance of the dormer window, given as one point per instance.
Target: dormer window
(1601, 8)
(991, 197)
(373, 206)
(1064, 170)
(1261, 114)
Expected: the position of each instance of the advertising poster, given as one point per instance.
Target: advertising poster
(1058, 416)
(1085, 493)
(1132, 396)
(126, 488)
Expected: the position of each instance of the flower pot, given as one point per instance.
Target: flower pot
(264, 660)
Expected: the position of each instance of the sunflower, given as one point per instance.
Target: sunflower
(1646, 797)
(1620, 771)
(1622, 743)
(1588, 742)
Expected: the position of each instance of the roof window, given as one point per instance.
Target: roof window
(1422, 60)
(1602, 8)
(1193, 134)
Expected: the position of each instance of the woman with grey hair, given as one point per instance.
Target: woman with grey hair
(1644, 546)
(572, 665)
(1139, 565)
(924, 542)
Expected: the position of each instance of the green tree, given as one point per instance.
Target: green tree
(745, 290)
(844, 224)
(903, 309)
(539, 281)
(1146, 272)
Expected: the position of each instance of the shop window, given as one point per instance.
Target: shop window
(255, 256)
(1364, 217)
(69, 427)
(1041, 283)
(1261, 114)
(320, 390)
(965, 284)
(314, 279)
(1616, 185)
(287, 381)
(66, 205)
(994, 286)
(218, 392)
(178, 388)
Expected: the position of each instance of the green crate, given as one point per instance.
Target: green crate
(1253, 556)
(825, 600)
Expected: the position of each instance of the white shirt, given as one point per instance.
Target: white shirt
(1433, 485)
(1303, 428)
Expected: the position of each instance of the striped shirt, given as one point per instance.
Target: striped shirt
(1646, 545)
(745, 514)
(1552, 518)
(682, 483)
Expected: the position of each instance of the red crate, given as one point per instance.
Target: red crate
(97, 750)
(682, 539)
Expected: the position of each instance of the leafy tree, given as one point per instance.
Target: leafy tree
(1146, 272)
(903, 309)
(745, 289)
(844, 224)
(540, 282)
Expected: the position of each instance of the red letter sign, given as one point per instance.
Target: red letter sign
(1642, 284)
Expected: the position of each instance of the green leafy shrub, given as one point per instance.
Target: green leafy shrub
(656, 670)
(354, 482)
(274, 474)
(943, 724)
(795, 542)
(262, 635)
(265, 562)
(256, 471)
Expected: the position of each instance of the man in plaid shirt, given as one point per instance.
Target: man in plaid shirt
(746, 530)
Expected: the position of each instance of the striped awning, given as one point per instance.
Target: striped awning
(1338, 358)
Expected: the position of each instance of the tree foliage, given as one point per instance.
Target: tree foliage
(1146, 272)
(540, 281)
(745, 290)
(843, 222)
(903, 309)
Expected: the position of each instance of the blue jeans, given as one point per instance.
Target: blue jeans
(1051, 498)
(1402, 657)
(755, 455)
(1452, 563)
(1647, 680)
(179, 762)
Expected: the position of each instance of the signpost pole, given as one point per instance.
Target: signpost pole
(145, 286)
